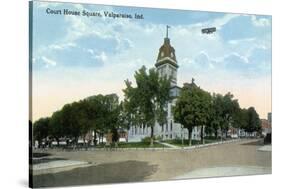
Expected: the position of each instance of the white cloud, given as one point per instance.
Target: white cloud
(243, 58)
(91, 51)
(61, 46)
(102, 56)
(218, 22)
(260, 22)
(237, 41)
(48, 62)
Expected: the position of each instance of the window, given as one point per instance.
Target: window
(171, 125)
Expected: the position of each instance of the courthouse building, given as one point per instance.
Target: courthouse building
(167, 66)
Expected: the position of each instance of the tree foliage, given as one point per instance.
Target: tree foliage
(41, 129)
(100, 113)
(253, 121)
(145, 103)
(192, 108)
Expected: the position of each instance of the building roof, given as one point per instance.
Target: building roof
(189, 85)
(166, 54)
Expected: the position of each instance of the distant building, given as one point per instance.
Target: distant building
(269, 118)
(266, 126)
(233, 132)
(122, 136)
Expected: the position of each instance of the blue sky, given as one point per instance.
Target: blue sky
(76, 56)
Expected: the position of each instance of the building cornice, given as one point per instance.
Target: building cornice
(166, 60)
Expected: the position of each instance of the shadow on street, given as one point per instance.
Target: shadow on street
(127, 171)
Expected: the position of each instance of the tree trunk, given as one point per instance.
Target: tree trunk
(58, 142)
(238, 132)
(162, 129)
(189, 136)
(202, 135)
(39, 143)
(75, 142)
(95, 138)
(102, 138)
(216, 133)
(182, 137)
(221, 134)
(84, 141)
(151, 136)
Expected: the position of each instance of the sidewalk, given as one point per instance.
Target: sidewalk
(43, 165)
(168, 145)
(266, 148)
(225, 171)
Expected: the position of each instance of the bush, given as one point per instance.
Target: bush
(159, 138)
(210, 138)
(147, 139)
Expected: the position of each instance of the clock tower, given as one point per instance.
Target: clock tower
(166, 63)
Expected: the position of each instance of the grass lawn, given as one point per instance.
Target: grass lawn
(136, 145)
(178, 142)
(139, 145)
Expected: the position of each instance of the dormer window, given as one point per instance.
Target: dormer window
(162, 54)
(172, 54)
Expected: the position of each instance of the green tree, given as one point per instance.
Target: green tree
(225, 109)
(97, 115)
(192, 108)
(112, 120)
(82, 118)
(213, 120)
(41, 129)
(145, 102)
(163, 97)
(56, 127)
(70, 121)
(253, 122)
(240, 119)
(103, 114)
(131, 106)
(125, 119)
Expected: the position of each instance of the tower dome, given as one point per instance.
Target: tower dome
(167, 52)
(166, 63)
